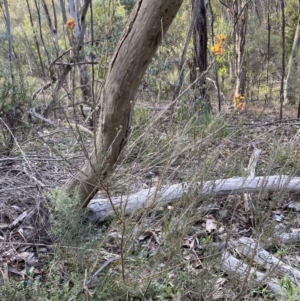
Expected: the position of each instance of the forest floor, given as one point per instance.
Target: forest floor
(49, 157)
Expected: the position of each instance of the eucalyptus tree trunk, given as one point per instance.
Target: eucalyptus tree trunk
(52, 26)
(79, 50)
(292, 78)
(281, 99)
(200, 52)
(240, 10)
(148, 22)
(10, 118)
(63, 11)
(9, 35)
(35, 35)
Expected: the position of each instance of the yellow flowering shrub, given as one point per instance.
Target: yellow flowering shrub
(217, 49)
(239, 102)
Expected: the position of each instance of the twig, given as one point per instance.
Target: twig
(79, 127)
(295, 121)
(216, 87)
(76, 63)
(41, 89)
(35, 158)
(39, 116)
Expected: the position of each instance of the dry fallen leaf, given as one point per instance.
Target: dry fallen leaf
(210, 224)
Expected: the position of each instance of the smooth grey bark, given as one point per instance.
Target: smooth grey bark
(63, 10)
(101, 209)
(148, 22)
(291, 80)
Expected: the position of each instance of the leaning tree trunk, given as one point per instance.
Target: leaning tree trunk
(291, 81)
(148, 22)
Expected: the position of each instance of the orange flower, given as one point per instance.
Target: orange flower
(239, 102)
(241, 106)
(70, 24)
(217, 49)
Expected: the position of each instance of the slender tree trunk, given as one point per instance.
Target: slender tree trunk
(36, 40)
(41, 31)
(10, 114)
(9, 37)
(63, 10)
(200, 51)
(239, 12)
(281, 96)
(53, 29)
(269, 40)
(212, 16)
(292, 77)
(76, 40)
(82, 68)
(183, 57)
(148, 22)
(240, 28)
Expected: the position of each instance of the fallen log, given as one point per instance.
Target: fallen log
(242, 271)
(252, 250)
(101, 209)
(268, 268)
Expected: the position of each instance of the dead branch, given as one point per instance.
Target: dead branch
(275, 267)
(240, 270)
(33, 113)
(100, 209)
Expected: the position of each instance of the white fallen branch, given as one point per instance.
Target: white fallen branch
(244, 272)
(76, 126)
(100, 209)
(278, 239)
(275, 267)
(285, 239)
(33, 113)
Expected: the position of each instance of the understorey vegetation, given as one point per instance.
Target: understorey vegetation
(149, 150)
